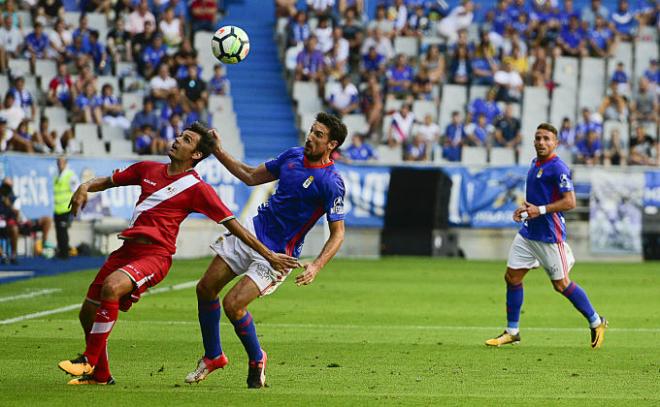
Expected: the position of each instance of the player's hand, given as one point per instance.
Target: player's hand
(307, 276)
(216, 135)
(517, 214)
(532, 210)
(78, 200)
(283, 263)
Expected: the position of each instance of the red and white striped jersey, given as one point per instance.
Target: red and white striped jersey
(166, 200)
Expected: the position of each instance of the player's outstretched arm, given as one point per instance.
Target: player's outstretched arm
(329, 250)
(280, 262)
(566, 203)
(246, 173)
(79, 198)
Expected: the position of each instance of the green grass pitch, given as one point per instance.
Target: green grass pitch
(396, 331)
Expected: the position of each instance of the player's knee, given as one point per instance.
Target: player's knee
(204, 292)
(560, 285)
(111, 290)
(232, 307)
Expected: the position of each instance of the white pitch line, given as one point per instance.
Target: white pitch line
(32, 294)
(60, 310)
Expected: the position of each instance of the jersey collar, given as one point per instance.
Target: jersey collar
(540, 163)
(308, 165)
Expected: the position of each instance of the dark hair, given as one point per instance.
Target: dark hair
(206, 143)
(337, 128)
(548, 127)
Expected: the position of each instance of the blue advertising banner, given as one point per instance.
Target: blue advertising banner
(481, 199)
(651, 189)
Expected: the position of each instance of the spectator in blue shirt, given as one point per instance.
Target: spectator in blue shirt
(453, 138)
(483, 64)
(172, 129)
(146, 116)
(487, 107)
(172, 106)
(652, 73)
(460, 70)
(399, 78)
(566, 13)
(99, 54)
(359, 150)
(589, 149)
(625, 22)
(601, 39)
(477, 134)
(310, 62)
(82, 31)
(218, 84)
(620, 78)
(36, 44)
(571, 40)
(87, 107)
(78, 54)
(23, 98)
(567, 135)
(299, 30)
(153, 54)
(372, 62)
(516, 9)
(144, 141)
(588, 124)
(501, 18)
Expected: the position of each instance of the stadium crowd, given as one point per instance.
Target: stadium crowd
(127, 64)
(502, 49)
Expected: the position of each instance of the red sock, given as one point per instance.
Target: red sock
(102, 368)
(106, 316)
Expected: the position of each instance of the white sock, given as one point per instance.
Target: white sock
(595, 320)
(512, 331)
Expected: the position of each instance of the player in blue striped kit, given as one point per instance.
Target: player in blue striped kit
(309, 187)
(541, 239)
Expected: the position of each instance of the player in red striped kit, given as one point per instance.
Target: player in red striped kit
(170, 192)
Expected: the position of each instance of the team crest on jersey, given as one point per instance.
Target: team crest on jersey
(538, 174)
(337, 206)
(308, 181)
(170, 190)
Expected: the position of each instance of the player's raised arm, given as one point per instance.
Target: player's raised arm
(246, 173)
(79, 198)
(329, 250)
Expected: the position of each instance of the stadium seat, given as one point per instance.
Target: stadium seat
(99, 22)
(56, 115)
(131, 100)
(426, 42)
(565, 154)
(4, 82)
(31, 85)
(72, 18)
(311, 104)
(119, 148)
(87, 134)
(220, 103)
(565, 73)
(388, 155)
(303, 89)
(423, 107)
(474, 155)
(527, 153)
(26, 19)
(534, 110)
(502, 156)
(45, 69)
(592, 82)
(392, 104)
(306, 121)
(406, 46)
(112, 134)
(622, 53)
(454, 97)
(330, 87)
(644, 53)
(478, 91)
(124, 69)
(564, 104)
(19, 66)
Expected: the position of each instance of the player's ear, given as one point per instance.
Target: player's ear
(197, 155)
(333, 144)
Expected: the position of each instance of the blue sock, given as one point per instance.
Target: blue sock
(578, 297)
(247, 333)
(514, 301)
(208, 313)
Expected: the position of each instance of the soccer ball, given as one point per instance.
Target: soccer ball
(230, 44)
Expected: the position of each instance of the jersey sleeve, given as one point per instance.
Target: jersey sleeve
(563, 178)
(334, 199)
(273, 166)
(131, 175)
(208, 203)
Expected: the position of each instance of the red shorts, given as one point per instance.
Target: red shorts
(145, 264)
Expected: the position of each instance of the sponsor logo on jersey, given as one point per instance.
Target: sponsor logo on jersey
(308, 181)
(150, 182)
(337, 206)
(564, 181)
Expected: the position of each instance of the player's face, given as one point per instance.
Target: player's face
(185, 147)
(318, 143)
(545, 143)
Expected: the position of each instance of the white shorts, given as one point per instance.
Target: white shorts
(556, 258)
(243, 260)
